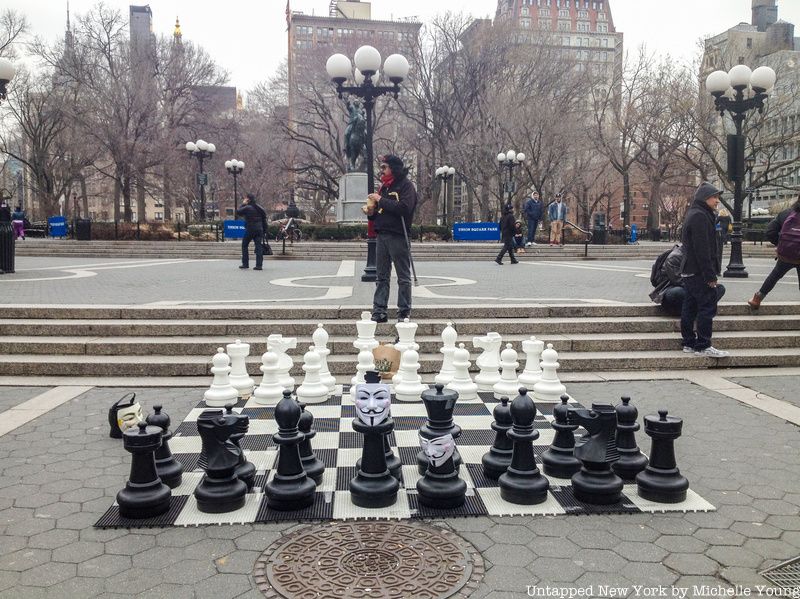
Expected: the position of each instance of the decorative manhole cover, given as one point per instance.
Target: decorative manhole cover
(371, 560)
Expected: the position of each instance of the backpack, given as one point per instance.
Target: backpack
(655, 274)
(789, 239)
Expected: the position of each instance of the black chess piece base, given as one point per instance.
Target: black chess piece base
(287, 500)
(495, 463)
(373, 491)
(246, 472)
(597, 487)
(523, 489)
(662, 488)
(443, 494)
(137, 503)
(629, 465)
(170, 471)
(218, 496)
(560, 464)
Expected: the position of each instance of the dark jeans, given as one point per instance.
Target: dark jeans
(697, 314)
(392, 249)
(508, 246)
(533, 224)
(778, 272)
(258, 237)
(672, 300)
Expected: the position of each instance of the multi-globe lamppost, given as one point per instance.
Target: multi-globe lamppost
(7, 72)
(737, 92)
(235, 168)
(201, 150)
(366, 76)
(445, 174)
(508, 160)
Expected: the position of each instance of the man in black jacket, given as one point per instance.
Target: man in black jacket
(255, 225)
(507, 235)
(391, 211)
(699, 273)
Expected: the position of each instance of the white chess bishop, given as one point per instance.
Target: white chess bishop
(239, 378)
(549, 388)
(366, 333)
(405, 335)
(533, 354)
(281, 345)
(270, 391)
(489, 361)
(320, 339)
(221, 392)
(508, 385)
(312, 389)
(449, 339)
(409, 386)
(366, 363)
(462, 383)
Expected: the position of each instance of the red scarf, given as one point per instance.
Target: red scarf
(386, 181)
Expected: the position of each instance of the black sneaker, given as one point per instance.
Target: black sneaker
(402, 317)
(499, 262)
(380, 318)
(257, 268)
(243, 267)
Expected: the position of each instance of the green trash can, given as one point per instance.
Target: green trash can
(83, 229)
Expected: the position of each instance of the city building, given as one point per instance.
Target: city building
(142, 39)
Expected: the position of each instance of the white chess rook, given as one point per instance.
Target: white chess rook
(221, 392)
(489, 361)
(409, 386)
(462, 383)
(239, 378)
(549, 388)
(508, 385)
(533, 354)
(312, 389)
(320, 339)
(280, 345)
(449, 339)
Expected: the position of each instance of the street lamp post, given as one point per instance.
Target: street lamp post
(366, 76)
(508, 160)
(7, 72)
(446, 174)
(235, 168)
(201, 150)
(737, 92)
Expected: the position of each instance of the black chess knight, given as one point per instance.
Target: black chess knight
(220, 490)
(595, 482)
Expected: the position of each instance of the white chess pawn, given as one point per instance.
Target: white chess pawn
(221, 392)
(312, 389)
(320, 339)
(239, 378)
(366, 333)
(533, 354)
(280, 345)
(462, 383)
(405, 341)
(449, 338)
(409, 386)
(489, 361)
(366, 362)
(270, 391)
(549, 388)
(508, 385)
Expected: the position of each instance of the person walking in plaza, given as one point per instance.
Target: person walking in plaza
(18, 222)
(699, 273)
(533, 213)
(507, 234)
(784, 232)
(391, 211)
(5, 212)
(557, 213)
(255, 226)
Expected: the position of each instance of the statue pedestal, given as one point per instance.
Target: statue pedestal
(352, 197)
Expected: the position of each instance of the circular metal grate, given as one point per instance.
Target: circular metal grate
(374, 560)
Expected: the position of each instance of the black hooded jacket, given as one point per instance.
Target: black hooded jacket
(699, 238)
(507, 225)
(396, 204)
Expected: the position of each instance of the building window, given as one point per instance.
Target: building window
(544, 23)
(602, 28)
(525, 11)
(582, 14)
(563, 13)
(601, 16)
(526, 23)
(582, 26)
(749, 42)
(564, 26)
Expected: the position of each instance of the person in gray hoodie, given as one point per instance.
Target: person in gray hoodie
(699, 273)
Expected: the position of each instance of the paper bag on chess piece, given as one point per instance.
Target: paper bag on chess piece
(387, 360)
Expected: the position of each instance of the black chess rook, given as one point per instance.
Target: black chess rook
(631, 460)
(144, 495)
(559, 459)
(439, 405)
(661, 481)
(170, 470)
(497, 460)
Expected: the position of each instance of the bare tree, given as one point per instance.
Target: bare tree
(13, 26)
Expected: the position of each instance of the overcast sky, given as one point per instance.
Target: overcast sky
(248, 38)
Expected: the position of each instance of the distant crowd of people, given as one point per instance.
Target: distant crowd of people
(16, 218)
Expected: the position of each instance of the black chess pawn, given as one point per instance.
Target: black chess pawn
(559, 459)
(497, 460)
(373, 486)
(220, 490)
(439, 404)
(290, 488)
(245, 470)
(631, 461)
(144, 495)
(661, 481)
(311, 464)
(522, 483)
(595, 482)
(440, 487)
(170, 470)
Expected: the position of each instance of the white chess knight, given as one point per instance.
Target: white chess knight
(270, 391)
(221, 392)
(280, 345)
(508, 385)
(408, 385)
(462, 383)
(312, 389)
(549, 388)
(366, 333)
(366, 362)
(489, 361)
(239, 378)
(533, 354)
(449, 339)
(405, 335)
(320, 339)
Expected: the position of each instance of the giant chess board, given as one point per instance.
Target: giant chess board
(338, 446)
